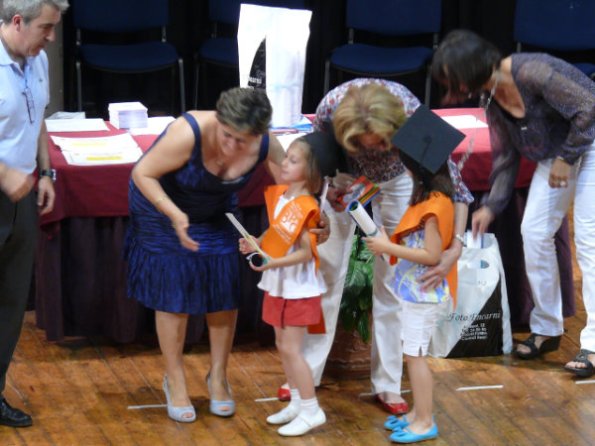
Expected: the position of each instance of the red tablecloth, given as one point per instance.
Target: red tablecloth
(476, 171)
(102, 191)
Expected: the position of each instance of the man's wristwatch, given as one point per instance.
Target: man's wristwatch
(48, 173)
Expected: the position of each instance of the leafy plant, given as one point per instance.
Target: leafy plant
(356, 303)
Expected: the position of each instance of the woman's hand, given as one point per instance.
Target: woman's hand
(480, 220)
(559, 173)
(340, 186)
(323, 231)
(181, 225)
(435, 274)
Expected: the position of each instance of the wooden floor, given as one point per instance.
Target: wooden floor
(82, 392)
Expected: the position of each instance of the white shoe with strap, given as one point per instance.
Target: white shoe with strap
(302, 424)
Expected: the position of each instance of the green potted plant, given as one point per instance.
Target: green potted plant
(356, 303)
(350, 354)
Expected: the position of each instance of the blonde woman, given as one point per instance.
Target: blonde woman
(364, 114)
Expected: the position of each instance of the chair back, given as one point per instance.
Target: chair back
(228, 11)
(564, 25)
(116, 16)
(395, 17)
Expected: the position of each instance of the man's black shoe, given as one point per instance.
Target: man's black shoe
(9, 416)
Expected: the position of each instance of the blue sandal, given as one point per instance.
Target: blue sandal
(221, 408)
(182, 414)
(406, 436)
(396, 423)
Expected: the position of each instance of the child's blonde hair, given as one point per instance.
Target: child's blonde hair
(312, 174)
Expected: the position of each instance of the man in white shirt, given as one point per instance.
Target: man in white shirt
(26, 26)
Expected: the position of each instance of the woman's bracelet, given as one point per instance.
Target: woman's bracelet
(461, 239)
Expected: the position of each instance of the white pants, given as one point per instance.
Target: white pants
(386, 357)
(545, 209)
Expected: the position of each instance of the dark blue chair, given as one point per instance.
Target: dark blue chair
(222, 50)
(387, 19)
(131, 18)
(562, 27)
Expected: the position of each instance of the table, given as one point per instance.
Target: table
(80, 274)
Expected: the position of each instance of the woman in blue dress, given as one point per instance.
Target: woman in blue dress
(181, 249)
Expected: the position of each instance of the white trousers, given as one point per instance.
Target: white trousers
(386, 356)
(545, 209)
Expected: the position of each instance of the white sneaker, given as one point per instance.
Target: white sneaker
(284, 416)
(303, 424)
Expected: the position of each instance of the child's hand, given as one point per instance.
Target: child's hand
(246, 247)
(378, 244)
(268, 264)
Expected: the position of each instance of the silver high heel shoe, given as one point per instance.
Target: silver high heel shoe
(220, 408)
(177, 412)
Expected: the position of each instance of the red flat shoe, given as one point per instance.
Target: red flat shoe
(283, 394)
(394, 408)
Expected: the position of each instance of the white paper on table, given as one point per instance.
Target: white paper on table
(115, 149)
(465, 122)
(155, 126)
(100, 159)
(76, 125)
(102, 143)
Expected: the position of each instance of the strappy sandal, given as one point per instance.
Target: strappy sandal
(549, 344)
(583, 358)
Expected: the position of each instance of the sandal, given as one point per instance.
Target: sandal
(221, 408)
(583, 358)
(549, 344)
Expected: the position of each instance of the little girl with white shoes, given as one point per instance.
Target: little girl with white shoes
(291, 280)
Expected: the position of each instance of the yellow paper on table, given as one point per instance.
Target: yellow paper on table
(116, 149)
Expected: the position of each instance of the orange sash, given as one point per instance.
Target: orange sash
(300, 213)
(441, 207)
(284, 230)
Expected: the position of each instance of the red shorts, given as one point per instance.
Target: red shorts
(280, 312)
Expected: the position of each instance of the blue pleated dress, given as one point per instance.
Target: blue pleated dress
(165, 276)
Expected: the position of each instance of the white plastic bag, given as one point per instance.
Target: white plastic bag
(480, 323)
(286, 32)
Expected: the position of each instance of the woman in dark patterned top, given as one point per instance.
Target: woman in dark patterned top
(543, 109)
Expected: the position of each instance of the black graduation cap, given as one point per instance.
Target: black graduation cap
(427, 138)
(328, 152)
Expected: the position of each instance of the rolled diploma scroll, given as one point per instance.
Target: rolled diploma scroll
(364, 221)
